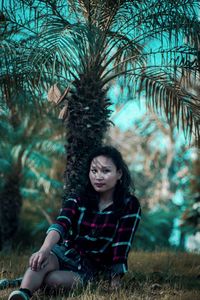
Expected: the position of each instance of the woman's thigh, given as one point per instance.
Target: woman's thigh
(65, 279)
(53, 264)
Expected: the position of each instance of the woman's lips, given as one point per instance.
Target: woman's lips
(99, 184)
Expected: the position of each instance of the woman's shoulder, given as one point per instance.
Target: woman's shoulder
(132, 202)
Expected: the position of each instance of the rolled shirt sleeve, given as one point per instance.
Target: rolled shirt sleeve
(123, 239)
(64, 221)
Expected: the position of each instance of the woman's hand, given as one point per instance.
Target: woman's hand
(39, 260)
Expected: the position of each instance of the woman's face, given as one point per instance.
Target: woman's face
(103, 174)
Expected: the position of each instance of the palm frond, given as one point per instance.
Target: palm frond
(113, 39)
(30, 193)
(177, 103)
(5, 166)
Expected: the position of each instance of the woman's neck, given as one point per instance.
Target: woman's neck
(106, 197)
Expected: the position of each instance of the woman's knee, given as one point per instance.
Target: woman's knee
(51, 265)
(53, 279)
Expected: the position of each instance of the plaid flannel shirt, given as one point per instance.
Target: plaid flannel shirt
(103, 236)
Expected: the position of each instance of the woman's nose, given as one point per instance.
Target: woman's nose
(99, 175)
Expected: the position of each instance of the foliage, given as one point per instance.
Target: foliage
(155, 228)
(191, 216)
(28, 144)
(27, 156)
(86, 45)
(165, 174)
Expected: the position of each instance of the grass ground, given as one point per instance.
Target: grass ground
(151, 276)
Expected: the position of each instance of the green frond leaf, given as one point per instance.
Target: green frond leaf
(36, 160)
(176, 102)
(5, 166)
(30, 193)
(51, 147)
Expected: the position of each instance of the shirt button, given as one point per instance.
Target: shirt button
(79, 267)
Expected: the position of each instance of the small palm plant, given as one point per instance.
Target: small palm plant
(27, 156)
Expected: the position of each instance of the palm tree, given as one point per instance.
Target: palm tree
(27, 155)
(27, 144)
(83, 47)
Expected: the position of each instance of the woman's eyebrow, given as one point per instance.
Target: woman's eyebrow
(101, 166)
(97, 164)
(106, 167)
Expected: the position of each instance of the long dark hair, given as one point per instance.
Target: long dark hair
(124, 187)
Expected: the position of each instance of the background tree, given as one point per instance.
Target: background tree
(27, 155)
(86, 45)
(27, 141)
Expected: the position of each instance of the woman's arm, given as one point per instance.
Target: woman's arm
(51, 239)
(40, 258)
(123, 239)
(65, 219)
(55, 233)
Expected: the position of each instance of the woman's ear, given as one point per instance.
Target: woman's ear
(119, 174)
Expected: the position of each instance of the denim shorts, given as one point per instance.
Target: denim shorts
(71, 260)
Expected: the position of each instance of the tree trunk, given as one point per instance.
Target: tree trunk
(87, 122)
(10, 206)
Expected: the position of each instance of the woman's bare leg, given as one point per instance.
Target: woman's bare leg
(33, 280)
(65, 279)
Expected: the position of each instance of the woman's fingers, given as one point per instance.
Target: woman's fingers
(34, 264)
(41, 260)
(32, 260)
(38, 261)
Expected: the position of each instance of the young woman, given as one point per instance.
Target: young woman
(93, 233)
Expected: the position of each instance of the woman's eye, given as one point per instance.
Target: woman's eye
(106, 171)
(93, 171)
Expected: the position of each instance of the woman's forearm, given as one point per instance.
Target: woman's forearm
(51, 239)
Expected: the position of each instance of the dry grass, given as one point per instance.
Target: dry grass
(152, 276)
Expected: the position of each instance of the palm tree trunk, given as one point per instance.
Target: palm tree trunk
(87, 122)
